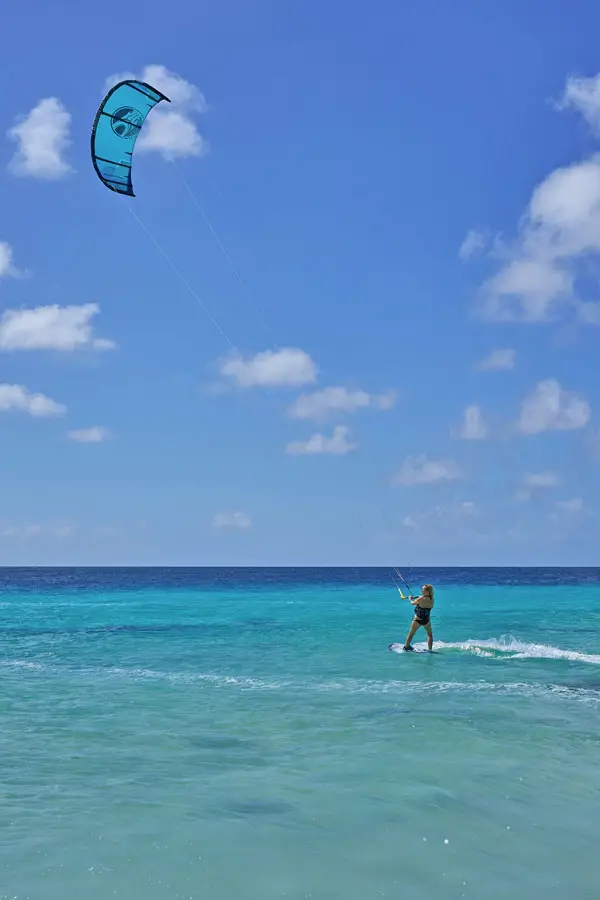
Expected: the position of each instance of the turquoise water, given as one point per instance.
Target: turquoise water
(193, 734)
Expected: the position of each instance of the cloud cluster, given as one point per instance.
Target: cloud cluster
(548, 407)
(62, 328)
(16, 397)
(552, 408)
(288, 367)
(336, 400)
(499, 360)
(336, 445)
(537, 278)
(236, 520)
(417, 470)
(559, 229)
(473, 427)
(42, 139)
(291, 367)
(96, 434)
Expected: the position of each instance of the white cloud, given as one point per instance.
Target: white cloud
(420, 470)
(468, 508)
(7, 266)
(42, 138)
(542, 480)
(17, 397)
(583, 95)
(560, 227)
(498, 360)
(93, 435)
(473, 243)
(551, 408)
(170, 129)
(526, 290)
(29, 530)
(288, 367)
(537, 480)
(34, 530)
(570, 507)
(335, 400)
(473, 427)
(237, 520)
(336, 445)
(51, 328)
(172, 134)
(409, 522)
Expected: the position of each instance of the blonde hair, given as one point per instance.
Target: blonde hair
(428, 589)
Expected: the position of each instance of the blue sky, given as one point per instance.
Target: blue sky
(406, 203)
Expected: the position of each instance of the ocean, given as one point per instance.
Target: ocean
(183, 734)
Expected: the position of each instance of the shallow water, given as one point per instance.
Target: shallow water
(184, 734)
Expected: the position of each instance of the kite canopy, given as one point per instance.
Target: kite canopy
(117, 125)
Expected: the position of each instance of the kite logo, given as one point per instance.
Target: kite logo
(126, 122)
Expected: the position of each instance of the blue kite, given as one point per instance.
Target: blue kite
(117, 125)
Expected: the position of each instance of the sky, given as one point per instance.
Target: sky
(351, 316)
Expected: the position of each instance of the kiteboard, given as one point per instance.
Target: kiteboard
(398, 648)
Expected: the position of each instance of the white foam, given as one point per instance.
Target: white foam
(240, 681)
(511, 648)
(20, 664)
(361, 686)
(348, 686)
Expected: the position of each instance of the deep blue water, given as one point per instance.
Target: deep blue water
(184, 733)
(35, 579)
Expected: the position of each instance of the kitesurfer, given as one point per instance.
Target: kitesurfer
(423, 606)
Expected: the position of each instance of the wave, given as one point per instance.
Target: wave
(511, 648)
(347, 686)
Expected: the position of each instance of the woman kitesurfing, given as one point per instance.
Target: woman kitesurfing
(423, 605)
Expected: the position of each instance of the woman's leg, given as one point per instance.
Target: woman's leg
(413, 629)
(429, 635)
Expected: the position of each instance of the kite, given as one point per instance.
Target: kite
(118, 122)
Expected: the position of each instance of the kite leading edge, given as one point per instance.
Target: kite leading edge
(118, 122)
